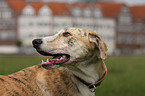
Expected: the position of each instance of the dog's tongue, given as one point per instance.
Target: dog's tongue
(49, 64)
(55, 60)
(54, 63)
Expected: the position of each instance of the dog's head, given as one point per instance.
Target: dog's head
(69, 46)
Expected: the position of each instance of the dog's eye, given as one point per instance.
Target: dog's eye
(66, 34)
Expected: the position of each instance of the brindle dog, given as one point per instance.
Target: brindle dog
(77, 66)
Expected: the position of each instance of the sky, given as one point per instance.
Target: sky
(128, 2)
(132, 2)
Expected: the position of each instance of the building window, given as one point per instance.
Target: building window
(43, 24)
(139, 39)
(7, 24)
(125, 9)
(6, 14)
(124, 19)
(125, 16)
(3, 4)
(125, 28)
(126, 39)
(45, 11)
(7, 35)
(87, 12)
(0, 14)
(139, 28)
(28, 11)
(97, 13)
(76, 12)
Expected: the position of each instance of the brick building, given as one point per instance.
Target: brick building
(38, 19)
(8, 28)
(130, 30)
(120, 26)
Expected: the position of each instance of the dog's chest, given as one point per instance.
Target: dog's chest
(84, 90)
(57, 83)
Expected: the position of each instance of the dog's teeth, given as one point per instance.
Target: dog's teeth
(47, 60)
(42, 61)
(63, 56)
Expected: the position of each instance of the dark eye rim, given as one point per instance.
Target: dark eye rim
(66, 34)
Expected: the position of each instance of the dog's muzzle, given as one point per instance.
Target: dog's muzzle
(36, 43)
(57, 60)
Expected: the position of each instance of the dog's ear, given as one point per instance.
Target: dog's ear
(99, 45)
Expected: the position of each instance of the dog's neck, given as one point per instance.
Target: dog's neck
(89, 72)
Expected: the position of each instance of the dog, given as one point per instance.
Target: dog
(76, 68)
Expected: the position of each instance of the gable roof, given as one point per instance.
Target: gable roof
(138, 12)
(17, 5)
(110, 10)
(80, 5)
(59, 8)
(37, 6)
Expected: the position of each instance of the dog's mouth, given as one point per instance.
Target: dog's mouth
(57, 60)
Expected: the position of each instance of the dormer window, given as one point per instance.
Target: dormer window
(97, 12)
(86, 12)
(124, 9)
(76, 12)
(3, 4)
(125, 15)
(28, 11)
(6, 14)
(45, 11)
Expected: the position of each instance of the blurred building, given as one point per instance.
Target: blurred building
(138, 19)
(91, 17)
(39, 19)
(120, 26)
(8, 28)
(130, 30)
(125, 34)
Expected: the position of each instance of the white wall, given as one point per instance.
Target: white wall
(37, 26)
(33, 27)
(85, 23)
(60, 22)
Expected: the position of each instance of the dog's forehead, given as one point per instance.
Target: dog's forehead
(77, 31)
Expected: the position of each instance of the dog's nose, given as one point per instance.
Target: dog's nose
(37, 42)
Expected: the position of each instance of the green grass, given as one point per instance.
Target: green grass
(126, 77)
(125, 74)
(11, 64)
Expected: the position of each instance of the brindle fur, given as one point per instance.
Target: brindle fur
(37, 81)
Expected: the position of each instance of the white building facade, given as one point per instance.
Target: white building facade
(45, 23)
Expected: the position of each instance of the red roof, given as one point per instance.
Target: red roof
(138, 12)
(58, 8)
(110, 10)
(37, 6)
(17, 5)
(80, 5)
